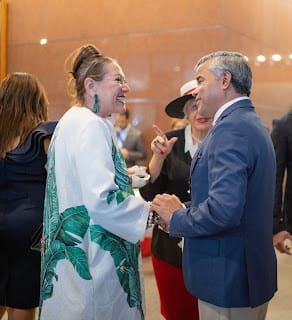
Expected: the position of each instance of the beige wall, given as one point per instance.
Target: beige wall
(157, 42)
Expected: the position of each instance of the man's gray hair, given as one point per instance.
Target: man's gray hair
(233, 62)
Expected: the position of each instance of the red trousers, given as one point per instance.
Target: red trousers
(176, 303)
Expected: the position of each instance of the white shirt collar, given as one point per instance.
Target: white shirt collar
(225, 106)
(189, 145)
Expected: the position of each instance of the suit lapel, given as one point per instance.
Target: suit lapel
(246, 103)
(198, 153)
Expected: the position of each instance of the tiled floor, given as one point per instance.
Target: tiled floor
(280, 308)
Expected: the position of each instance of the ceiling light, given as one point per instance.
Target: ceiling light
(43, 41)
(261, 58)
(276, 57)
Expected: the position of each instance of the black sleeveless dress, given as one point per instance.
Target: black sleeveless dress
(22, 189)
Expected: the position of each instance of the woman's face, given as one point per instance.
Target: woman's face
(112, 91)
(197, 122)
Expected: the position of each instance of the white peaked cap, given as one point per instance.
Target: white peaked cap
(188, 87)
(175, 108)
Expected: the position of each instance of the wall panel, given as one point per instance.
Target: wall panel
(157, 42)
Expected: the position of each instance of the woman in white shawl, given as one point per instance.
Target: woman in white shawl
(92, 221)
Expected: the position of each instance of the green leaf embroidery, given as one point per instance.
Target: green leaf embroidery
(125, 255)
(79, 260)
(122, 178)
(62, 233)
(75, 221)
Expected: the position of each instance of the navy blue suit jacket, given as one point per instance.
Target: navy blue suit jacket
(228, 257)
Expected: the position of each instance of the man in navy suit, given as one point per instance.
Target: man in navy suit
(229, 261)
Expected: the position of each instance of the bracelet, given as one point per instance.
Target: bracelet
(153, 218)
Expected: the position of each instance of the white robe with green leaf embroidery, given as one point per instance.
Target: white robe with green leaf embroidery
(91, 267)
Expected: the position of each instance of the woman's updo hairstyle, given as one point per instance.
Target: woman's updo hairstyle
(87, 62)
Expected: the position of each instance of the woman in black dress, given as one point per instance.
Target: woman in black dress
(24, 140)
(169, 168)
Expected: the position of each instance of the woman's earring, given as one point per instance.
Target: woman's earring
(95, 107)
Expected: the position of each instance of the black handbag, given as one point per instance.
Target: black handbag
(36, 239)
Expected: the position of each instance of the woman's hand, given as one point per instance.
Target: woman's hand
(160, 145)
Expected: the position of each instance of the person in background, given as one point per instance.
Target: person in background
(24, 138)
(169, 173)
(130, 140)
(282, 139)
(91, 263)
(229, 260)
(177, 123)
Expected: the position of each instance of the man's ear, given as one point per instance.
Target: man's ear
(226, 79)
